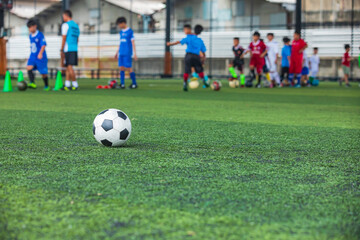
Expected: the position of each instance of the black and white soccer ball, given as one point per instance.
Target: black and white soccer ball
(112, 128)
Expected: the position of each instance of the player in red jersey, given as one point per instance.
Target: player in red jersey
(296, 60)
(258, 50)
(346, 66)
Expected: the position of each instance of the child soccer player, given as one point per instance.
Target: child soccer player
(285, 59)
(296, 60)
(346, 66)
(305, 69)
(314, 65)
(195, 46)
(258, 51)
(70, 32)
(273, 54)
(38, 59)
(126, 51)
(238, 62)
(198, 30)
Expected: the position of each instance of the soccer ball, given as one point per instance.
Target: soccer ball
(234, 83)
(112, 128)
(216, 85)
(113, 84)
(22, 86)
(194, 83)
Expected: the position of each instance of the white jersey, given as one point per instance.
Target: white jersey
(314, 62)
(273, 49)
(305, 60)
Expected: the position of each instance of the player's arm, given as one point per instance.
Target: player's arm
(264, 53)
(134, 49)
(40, 56)
(302, 49)
(172, 43)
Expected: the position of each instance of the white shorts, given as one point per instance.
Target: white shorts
(313, 73)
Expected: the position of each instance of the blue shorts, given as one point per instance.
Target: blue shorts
(125, 61)
(305, 71)
(40, 65)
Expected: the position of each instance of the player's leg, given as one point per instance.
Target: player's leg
(197, 64)
(74, 62)
(242, 75)
(128, 66)
(259, 70)
(43, 70)
(121, 64)
(67, 86)
(232, 70)
(74, 82)
(31, 75)
(187, 72)
(346, 76)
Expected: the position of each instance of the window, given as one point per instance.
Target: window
(238, 7)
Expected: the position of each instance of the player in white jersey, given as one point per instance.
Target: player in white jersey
(272, 58)
(314, 61)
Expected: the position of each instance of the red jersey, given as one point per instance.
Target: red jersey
(346, 59)
(296, 46)
(257, 48)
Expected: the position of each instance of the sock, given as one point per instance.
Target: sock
(195, 75)
(311, 79)
(268, 77)
(206, 78)
(75, 84)
(242, 79)
(31, 76)
(67, 83)
(133, 78)
(122, 77)
(291, 77)
(46, 81)
(298, 79)
(233, 73)
(252, 74)
(186, 76)
(201, 75)
(259, 79)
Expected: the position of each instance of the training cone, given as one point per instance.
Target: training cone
(59, 82)
(7, 83)
(21, 76)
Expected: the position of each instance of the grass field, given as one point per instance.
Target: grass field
(234, 164)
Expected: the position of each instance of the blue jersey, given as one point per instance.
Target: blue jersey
(285, 53)
(126, 47)
(194, 44)
(37, 40)
(72, 32)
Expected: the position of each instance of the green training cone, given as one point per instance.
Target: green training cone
(59, 82)
(21, 76)
(7, 83)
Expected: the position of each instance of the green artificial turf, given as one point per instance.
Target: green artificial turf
(234, 164)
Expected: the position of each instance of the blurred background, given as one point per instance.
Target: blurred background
(326, 24)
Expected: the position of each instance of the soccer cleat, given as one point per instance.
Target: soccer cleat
(46, 89)
(66, 89)
(32, 85)
(133, 86)
(297, 86)
(74, 88)
(258, 85)
(206, 84)
(348, 85)
(185, 87)
(122, 86)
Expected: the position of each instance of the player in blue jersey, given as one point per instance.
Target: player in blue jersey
(70, 32)
(192, 58)
(198, 30)
(126, 51)
(38, 59)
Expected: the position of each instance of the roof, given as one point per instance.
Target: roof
(139, 6)
(27, 9)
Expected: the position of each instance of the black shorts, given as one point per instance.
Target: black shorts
(193, 60)
(284, 73)
(238, 63)
(71, 59)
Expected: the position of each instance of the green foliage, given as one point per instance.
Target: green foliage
(234, 164)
